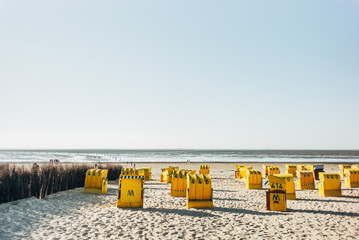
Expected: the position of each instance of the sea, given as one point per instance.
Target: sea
(179, 155)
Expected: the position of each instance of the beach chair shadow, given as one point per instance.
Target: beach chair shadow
(246, 211)
(306, 190)
(350, 190)
(348, 214)
(154, 188)
(353, 197)
(155, 183)
(325, 200)
(229, 199)
(181, 212)
(110, 191)
(262, 189)
(220, 190)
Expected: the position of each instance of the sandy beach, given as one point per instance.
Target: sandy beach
(238, 213)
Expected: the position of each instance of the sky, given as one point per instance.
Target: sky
(179, 74)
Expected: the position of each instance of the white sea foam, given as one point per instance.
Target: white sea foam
(179, 156)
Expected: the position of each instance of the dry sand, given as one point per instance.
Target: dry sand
(237, 214)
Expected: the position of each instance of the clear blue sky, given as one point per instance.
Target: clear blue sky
(179, 74)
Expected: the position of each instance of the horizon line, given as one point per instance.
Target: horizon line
(187, 149)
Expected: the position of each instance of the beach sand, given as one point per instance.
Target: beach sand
(238, 213)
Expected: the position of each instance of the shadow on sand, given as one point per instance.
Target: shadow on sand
(201, 213)
(352, 197)
(229, 199)
(181, 212)
(325, 200)
(111, 191)
(155, 183)
(220, 190)
(226, 178)
(348, 214)
(246, 211)
(154, 188)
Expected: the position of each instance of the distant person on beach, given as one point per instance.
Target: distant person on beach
(35, 166)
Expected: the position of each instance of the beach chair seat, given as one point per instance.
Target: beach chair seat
(166, 175)
(130, 192)
(96, 181)
(265, 168)
(291, 169)
(289, 185)
(329, 185)
(273, 170)
(204, 169)
(199, 192)
(146, 173)
(351, 178)
(130, 172)
(342, 168)
(254, 179)
(242, 172)
(179, 182)
(305, 180)
(276, 196)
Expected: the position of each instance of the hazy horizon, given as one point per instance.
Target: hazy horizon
(174, 149)
(179, 155)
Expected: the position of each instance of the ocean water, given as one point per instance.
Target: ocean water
(98, 155)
